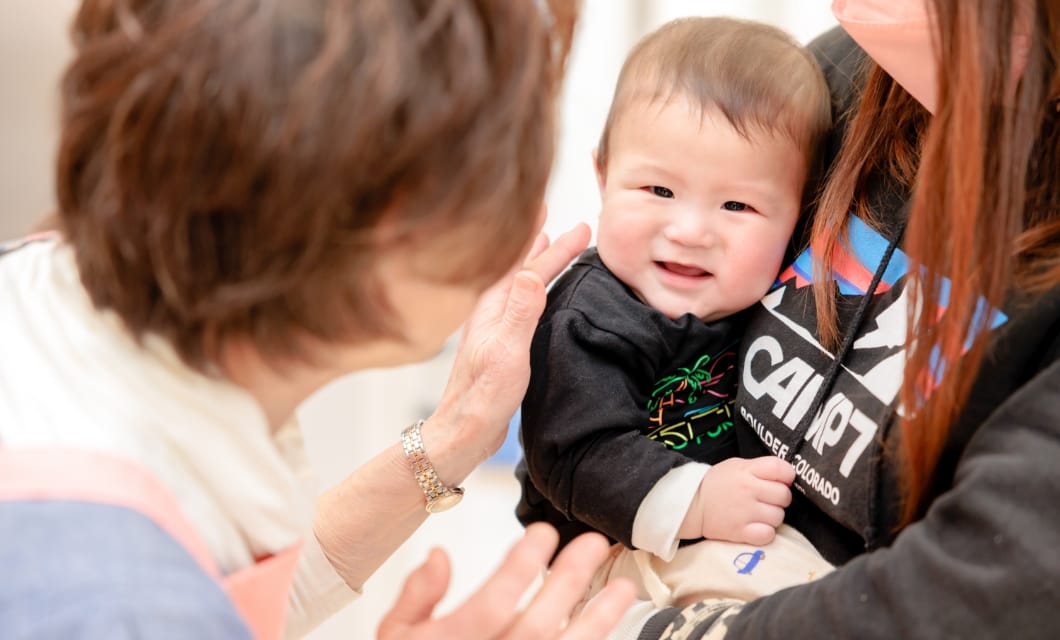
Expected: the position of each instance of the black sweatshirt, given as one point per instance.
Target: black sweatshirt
(983, 562)
(619, 395)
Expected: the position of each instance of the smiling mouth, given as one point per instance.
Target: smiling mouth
(684, 270)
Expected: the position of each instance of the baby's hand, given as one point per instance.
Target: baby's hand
(740, 500)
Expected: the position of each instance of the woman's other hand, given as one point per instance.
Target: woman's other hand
(493, 612)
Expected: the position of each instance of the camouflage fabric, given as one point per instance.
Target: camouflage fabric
(703, 620)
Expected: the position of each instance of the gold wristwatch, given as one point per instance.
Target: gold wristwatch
(439, 497)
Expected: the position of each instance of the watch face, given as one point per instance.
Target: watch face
(443, 502)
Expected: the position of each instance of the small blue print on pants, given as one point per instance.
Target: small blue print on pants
(745, 563)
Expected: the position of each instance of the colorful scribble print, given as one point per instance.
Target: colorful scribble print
(694, 404)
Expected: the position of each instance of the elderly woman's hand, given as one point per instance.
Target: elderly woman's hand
(492, 367)
(493, 612)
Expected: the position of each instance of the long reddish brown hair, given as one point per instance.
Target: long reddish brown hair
(869, 151)
(985, 214)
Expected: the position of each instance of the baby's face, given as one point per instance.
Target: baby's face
(696, 218)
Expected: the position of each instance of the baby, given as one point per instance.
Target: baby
(712, 135)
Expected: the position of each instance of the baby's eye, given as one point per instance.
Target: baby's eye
(662, 192)
(732, 205)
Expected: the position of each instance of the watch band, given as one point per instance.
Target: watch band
(439, 497)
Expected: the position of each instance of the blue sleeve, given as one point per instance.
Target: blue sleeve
(85, 570)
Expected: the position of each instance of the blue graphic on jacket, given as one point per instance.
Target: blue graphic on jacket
(853, 269)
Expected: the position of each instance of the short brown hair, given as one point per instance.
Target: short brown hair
(227, 167)
(755, 74)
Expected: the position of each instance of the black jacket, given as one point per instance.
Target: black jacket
(982, 563)
(619, 395)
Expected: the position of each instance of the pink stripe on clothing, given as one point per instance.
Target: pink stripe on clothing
(60, 474)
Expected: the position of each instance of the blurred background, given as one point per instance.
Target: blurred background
(347, 422)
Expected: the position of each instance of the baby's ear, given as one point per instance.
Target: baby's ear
(601, 172)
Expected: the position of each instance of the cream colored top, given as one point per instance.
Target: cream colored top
(72, 376)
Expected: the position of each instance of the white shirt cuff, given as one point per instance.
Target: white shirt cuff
(318, 591)
(664, 508)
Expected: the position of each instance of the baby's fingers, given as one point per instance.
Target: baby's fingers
(772, 468)
(759, 534)
(773, 493)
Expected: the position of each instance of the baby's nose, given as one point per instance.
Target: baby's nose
(691, 227)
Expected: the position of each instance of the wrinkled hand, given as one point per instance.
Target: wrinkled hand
(492, 367)
(740, 500)
(492, 612)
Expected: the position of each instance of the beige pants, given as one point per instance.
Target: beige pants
(715, 569)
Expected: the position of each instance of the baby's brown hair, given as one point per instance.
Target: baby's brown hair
(756, 75)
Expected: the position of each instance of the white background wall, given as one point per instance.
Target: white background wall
(347, 422)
